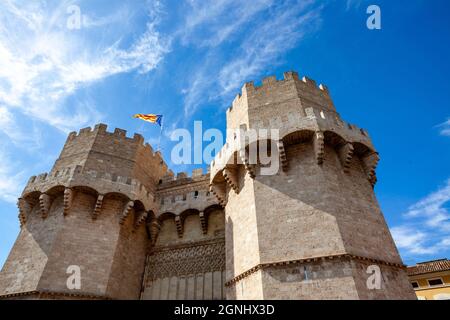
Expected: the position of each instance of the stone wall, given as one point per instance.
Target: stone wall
(111, 206)
(111, 255)
(187, 260)
(320, 203)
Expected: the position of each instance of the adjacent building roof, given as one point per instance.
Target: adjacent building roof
(429, 266)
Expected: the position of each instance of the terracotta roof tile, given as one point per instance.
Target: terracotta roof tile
(428, 267)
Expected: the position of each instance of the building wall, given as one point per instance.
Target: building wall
(242, 244)
(28, 258)
(319, 210)
(427, 292)
(103, 249)
(110, 206)
(191, 266)
(319, 205)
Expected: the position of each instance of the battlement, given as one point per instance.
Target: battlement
(272, 89)
(101, 182)
(118, 133)
(170, 180)
(313, 121)
(102, 128)
(98, 149)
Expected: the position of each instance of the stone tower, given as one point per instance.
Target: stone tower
(313, 230)
(112, 213)
(89, 213)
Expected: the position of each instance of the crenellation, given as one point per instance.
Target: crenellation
(120, 133)
(236, 102)
(43, 177)
(71, 136)
(197, 173)
(290, 75)
(310, 82)
(138, 138)
(233, 232)
(324, 88)
(325, 164)
(182, 175)
(101, 127)
(270, 80)
(87, 130)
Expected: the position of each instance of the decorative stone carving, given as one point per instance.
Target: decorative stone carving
(179, 225)
(370, 163)
(154, 228)
(345, 153)
(250, 168)
(24, 210)
(141, 217)
(191, 259)
(126, 211)
(203, 222)
(98, 206)
(282, 154)
(44, 204)
(219, 191)
(68, 199)
(231, 177)
(319, 146)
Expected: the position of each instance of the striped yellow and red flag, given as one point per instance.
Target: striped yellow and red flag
(153, 118)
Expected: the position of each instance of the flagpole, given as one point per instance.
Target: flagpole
(160, 134)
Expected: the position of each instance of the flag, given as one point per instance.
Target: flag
(153, 118)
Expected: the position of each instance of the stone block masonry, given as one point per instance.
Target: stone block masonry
(111, 206)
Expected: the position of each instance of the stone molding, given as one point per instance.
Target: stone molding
(308, 260)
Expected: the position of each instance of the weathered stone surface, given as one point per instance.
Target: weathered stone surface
(311, 231)
(320, 203)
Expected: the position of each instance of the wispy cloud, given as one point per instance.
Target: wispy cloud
(16, 132)
(444, 128)
(44, 62)
(426, 227)
(259, 37)
(11, 178)
(354, 4)
(209, 23)
(265, 45)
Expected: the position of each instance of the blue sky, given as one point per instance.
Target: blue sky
(188, 59)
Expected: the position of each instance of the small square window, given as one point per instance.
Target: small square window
(414, 284)
(435, 282)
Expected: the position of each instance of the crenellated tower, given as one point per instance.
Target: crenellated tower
(314, 229)
(90, 211)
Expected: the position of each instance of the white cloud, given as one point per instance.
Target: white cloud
(433, 210)
(259, 36)
(209, 23)
(426, 229)
(416, 242)
(445, 128)
(43, 62)
(268, 42)
(11, 178)
(353, 4)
